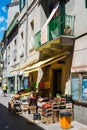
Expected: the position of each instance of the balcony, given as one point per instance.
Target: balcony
(60, 32)
(61, 25)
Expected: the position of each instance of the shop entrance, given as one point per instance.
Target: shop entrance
(57, 81)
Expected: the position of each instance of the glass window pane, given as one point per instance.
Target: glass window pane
(84, 87)
(75, 87)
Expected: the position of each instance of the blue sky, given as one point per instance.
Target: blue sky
(3, 16)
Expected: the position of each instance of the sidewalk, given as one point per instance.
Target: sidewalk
(54, 126)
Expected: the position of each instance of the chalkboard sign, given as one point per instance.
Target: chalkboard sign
(75, 87)
(36, 116)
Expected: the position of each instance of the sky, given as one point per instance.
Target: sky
(3, 16)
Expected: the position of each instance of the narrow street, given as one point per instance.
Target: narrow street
(9, 121)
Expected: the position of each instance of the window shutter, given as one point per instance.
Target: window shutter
(86, 3)
(24, 1)
(20, 5)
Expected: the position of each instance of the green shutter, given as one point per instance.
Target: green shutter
(86, 3)
(20, 5)
(62, 7)
(62, 12)
(24, 2)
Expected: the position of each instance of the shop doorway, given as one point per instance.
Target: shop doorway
(57, 81)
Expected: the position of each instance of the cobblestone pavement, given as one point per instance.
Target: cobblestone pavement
(28, 118)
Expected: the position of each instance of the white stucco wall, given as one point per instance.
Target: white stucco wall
(79, 61)
(12, 64)
(11, 13)
(21, 42)
(77, 9)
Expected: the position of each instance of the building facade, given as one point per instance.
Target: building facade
(46, 48)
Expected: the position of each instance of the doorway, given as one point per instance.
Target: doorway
(57, 81)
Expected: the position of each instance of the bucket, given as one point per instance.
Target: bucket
(65, 120)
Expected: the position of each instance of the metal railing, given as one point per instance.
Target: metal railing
(60, 25)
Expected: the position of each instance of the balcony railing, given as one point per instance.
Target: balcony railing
(12, 25)
(61, 25)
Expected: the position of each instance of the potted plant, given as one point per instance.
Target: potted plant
(67, 30)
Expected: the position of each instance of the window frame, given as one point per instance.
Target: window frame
(80, 78)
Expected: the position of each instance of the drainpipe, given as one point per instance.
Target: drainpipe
(26, 44)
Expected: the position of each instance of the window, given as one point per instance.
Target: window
(79, 87)
(32, 27)
(84, 87)
(15, 42)
(14, 55)
(75, 87)
(32, 40)
(8, 50)
(22, 4)
(22, 36)
(21, 51)
(8, 59)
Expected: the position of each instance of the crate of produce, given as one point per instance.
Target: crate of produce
(55, 116)
(24, 107)
(32, 109)
(46, 119)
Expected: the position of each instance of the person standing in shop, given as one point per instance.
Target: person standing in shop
(5, 89)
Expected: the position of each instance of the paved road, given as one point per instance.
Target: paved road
(9, 121)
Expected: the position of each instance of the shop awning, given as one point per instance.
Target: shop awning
(44, 63)
(27, 69)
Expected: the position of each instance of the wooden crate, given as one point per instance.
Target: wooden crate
(10, 105)
(55, 116)
(56, 107)
(24, 107)
(32, 109)
(47, 120)
(14, 107)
